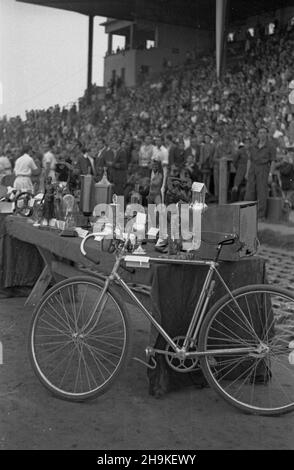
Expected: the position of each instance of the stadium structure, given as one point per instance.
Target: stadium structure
(157, 32)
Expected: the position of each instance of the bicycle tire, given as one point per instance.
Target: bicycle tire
(267, 378)
(97, 358)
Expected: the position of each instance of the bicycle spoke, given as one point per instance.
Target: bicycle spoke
(98, 362)
(102, 350)
(65, 321)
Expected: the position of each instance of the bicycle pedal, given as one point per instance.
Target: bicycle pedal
(146, 364)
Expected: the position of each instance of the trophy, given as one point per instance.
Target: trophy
(68, 203)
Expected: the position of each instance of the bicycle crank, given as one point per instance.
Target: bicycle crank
(179, 362)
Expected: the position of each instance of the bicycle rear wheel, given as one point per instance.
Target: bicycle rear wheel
(260, 317)
(74, 358)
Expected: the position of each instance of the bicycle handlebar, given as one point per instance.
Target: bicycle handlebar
(230, 239)
(83, 242)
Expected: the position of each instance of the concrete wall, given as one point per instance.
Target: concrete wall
(127, 60)
(184, 39)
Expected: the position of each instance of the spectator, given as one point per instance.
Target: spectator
(260, 168)
(286, 170)
(24, 168)
(240, 161)
(119, 167)
(5, 166)
(145, 157)
(49, 161)
(160, 154)
(206, 160)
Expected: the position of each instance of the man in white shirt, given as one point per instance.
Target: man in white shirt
(23, 169)
(49, 161)
(145, 156)
(160, 154)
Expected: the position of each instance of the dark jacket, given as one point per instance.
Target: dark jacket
(287, 176)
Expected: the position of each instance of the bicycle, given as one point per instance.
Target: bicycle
(80, 336)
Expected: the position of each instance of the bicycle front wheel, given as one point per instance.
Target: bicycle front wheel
(259, 318)
(77, 350)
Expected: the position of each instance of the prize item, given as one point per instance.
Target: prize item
(86, 198)
(86, 190)
(139, 227)
(24, 203)
(38, 209)
(48, 205)
(196, 209)
(68, 202)
(103, 190)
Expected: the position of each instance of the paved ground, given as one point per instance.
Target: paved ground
(280, 266)
(127, 417)
(277, 235)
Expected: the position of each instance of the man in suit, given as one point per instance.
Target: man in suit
(101, 148)
(119, 167)
(86, 162)
(192, 159)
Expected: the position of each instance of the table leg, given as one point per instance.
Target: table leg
(43, 280)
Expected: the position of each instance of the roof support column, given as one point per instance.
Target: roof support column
(90, 58)
(220, 26)
(109, 48)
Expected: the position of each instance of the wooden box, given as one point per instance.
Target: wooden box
(239, 218)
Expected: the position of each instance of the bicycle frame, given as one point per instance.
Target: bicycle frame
(196, 320)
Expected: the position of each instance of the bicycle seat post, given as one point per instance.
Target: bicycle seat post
(218, 252)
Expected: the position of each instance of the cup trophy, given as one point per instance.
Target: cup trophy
(140, 226)
(192, 218)
(87, 202)
(68, 203)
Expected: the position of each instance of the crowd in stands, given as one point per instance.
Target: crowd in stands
(181, 125)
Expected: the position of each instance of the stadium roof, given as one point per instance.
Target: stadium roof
(196, 13)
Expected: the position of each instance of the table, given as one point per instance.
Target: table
(173, 288)
(60, 257)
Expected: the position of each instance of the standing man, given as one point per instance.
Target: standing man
(119, 167)
(145, 157)
(160, 154)
(49, 161)
(260, 168)
(206, 160)
(23, 169)
(192, 157)
(86, 162)
(99, 160)
(216, 156)
(240, 162)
